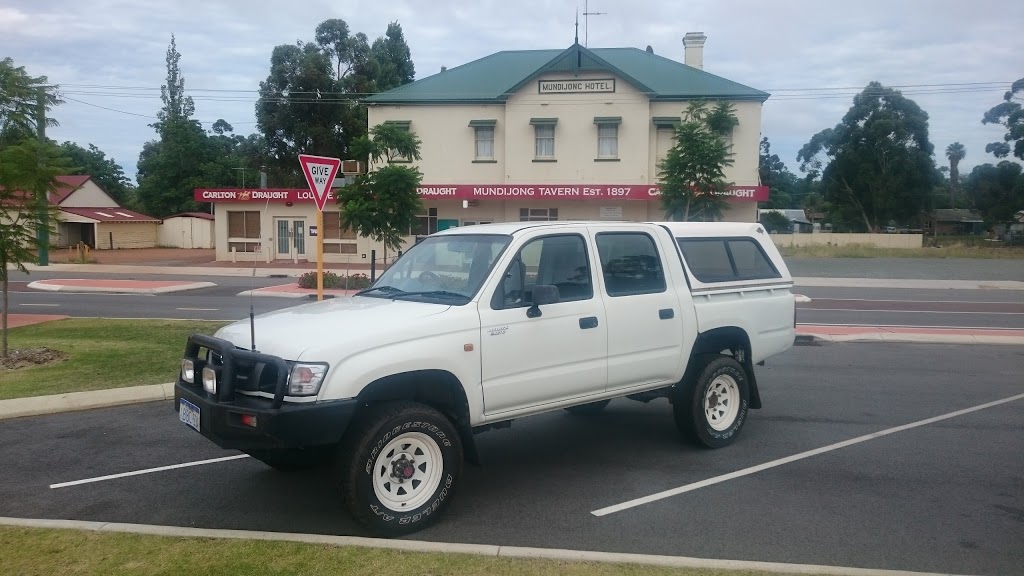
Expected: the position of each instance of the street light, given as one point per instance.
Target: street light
(243, 176)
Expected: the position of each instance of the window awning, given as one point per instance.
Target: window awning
(484, 123)
(607, 119)
(666, 121)
(543, 121)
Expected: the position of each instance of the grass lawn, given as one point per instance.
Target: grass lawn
(103, 354)
(34, 551)
(864, 251)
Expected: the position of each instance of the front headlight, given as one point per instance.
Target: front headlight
(188, 371)
(209, 380)
(305, 379)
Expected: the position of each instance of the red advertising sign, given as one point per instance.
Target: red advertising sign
(575, 192)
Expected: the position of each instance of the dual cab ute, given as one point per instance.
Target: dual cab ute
(474, 327)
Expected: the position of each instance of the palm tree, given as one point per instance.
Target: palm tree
(955, 152)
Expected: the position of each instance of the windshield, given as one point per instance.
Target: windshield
(450, 268)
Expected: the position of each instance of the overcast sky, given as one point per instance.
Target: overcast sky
(771, 45)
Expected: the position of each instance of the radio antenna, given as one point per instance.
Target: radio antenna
(252, 284)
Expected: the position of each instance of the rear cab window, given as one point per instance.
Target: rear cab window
(717, 260)
(630, 264)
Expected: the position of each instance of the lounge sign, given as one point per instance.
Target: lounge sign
(576, 86)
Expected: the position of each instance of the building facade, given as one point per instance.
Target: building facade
(522, 135)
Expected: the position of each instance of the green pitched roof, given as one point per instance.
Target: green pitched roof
(494, 78)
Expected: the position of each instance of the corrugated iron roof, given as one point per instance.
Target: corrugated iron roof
(493, 78)
(109, 214)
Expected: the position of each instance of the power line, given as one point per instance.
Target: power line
(62, 95)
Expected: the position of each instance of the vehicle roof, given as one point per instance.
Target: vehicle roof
(676, 228)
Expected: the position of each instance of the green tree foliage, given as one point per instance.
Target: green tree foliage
(383, 203)
(880, 166)
(29, 166)
(186, 157)
(19, 99)
(782, 184)
(997, 192)
(309, 103)
(1010, 114)
(776, 222)
(28, 172)
(955, 152)
(104, 171)
(692, 175)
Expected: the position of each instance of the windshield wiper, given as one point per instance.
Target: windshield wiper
(387, 289)
(442, 293)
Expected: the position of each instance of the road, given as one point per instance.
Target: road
(943, 496)
(844, 306)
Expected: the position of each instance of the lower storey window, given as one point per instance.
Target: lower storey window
(426, 224)
(242, 226)
(537, 214)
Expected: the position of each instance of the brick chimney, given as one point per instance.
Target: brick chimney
(693, 49)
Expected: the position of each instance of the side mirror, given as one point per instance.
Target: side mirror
(542, 294)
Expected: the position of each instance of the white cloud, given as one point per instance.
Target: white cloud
(771, 46)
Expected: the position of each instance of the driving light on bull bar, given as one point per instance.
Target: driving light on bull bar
(209, 380)
(305, 379)
(188, 371)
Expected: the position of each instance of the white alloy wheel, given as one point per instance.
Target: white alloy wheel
(407, 471)
(722, 402)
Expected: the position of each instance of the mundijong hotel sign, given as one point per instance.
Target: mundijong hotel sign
(597, 85)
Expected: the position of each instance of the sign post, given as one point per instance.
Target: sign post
(319, 172)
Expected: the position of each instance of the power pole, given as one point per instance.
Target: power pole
(43, 231)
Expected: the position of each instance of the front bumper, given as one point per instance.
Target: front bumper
(290, 426)
(243, 422)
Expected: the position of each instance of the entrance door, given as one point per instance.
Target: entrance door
(291, 238)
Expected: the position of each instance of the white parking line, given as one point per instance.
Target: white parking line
(147, 471)
(50, 305)
(199, 309)
(754, 469)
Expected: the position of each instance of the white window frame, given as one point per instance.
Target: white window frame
(537, 138)
(478, 131)
(530, 215)
(614, 127)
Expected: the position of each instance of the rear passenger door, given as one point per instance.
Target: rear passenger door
(645, 332)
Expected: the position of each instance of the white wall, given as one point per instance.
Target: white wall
(89, 196)
(186, 232)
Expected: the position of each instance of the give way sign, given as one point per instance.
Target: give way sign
(319, 172)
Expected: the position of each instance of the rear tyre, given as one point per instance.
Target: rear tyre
(712, 412)
(589, 408)
(398, 468)
(292, 459)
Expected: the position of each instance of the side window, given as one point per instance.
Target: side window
(630, 264)
(727, 259)
(560, 261)
(751, 261)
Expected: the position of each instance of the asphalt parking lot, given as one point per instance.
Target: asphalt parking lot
(943, 496)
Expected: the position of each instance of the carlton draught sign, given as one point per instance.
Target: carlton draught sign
(579, 192)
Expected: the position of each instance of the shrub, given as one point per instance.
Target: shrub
(334, 281)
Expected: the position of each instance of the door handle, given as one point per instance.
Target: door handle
(666, 313)
(588, 322)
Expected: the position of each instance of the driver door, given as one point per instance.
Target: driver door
(527, 359)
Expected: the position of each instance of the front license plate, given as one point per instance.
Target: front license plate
(189, 414)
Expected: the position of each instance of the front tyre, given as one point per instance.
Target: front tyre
(399, 468)
(716, 409)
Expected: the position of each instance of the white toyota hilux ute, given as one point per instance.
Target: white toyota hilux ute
(474, 327)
